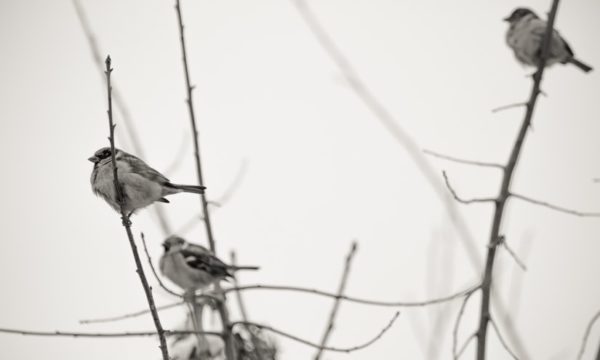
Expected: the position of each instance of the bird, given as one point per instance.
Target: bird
(140, 184)
(193, 267)
(525, 35)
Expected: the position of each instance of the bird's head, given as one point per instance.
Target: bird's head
(103, 154)
(172, 241)
(518, 14)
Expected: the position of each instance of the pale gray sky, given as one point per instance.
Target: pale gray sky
(321, 170)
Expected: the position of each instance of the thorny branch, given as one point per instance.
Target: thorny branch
(328, 348)
(127, 223)
(336, 304)
(505, 190)
(230, 353)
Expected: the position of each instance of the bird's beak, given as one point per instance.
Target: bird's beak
(94, 159)
(165, 246)
(507, 19)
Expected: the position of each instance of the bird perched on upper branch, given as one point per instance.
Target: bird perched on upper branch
(525, 36)
(192, 267)
(141, 185)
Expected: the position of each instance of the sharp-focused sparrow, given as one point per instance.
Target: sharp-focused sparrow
(141, 185)
(525, 36)
(193, 267)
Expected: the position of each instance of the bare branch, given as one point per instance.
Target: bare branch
(162, 285)
(461, 311)
(520, 263)
(463, 161)
(130, 315)
(230, 353)
(336, 304)
(588, 330)
(127, 223)
(461, 200)
(504, 193)
(466, 344)
(104, 334)
(510, 106)
(451, 297)
(555, 207)
(502, 341)
(328, 348)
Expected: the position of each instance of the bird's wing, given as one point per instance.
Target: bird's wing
(199, 258)
(140, 167)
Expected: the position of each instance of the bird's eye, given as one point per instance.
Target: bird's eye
(106, 153)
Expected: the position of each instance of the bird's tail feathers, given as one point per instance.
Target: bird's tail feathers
(586, 68)
(189, 188)
(236, 268)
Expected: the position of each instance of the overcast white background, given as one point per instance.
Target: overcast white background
(320, 169)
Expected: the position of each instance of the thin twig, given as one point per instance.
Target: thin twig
(328, 348)
(451, 297)
(514, 255)
(461, 311)
(466, 344)
(461, 200)
(586, 335)
(240, 300)
(555, 207)
(463, 161)
(104, 334)
(336, 303)
(127, 222)
(162, 285)
(502, 341)
(510, 167)
(230, 353)
(119, 103)
(130, 315)
(510, 106)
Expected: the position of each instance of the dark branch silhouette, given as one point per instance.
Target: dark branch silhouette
(461, 200)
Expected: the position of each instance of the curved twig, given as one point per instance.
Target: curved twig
(461, 200)
(502, 341)
(555, 207)
(461, 311)
(588, 330)
(149, 258)
(328, 348)
(355, 299)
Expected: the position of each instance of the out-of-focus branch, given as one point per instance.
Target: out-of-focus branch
(390, 123)
(555, 207)
(461, 311)
(127, 222)
(510, 106)
(336, 304)
(502, 341)
(463, 161)
(130, 315)
(439, 300)
(119, 103)
(586, 335)
(230, 353)
(461, 200)
(505, 189)
(328, 348)
(149, 258)
(104, 334)
(510, 251)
